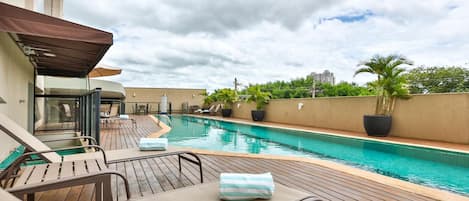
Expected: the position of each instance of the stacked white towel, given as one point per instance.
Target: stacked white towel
(246, 186)
(153, 144)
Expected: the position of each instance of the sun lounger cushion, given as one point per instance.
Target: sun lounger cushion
(246, 186)
(153, 144)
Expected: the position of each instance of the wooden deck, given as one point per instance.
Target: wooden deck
(156, 175)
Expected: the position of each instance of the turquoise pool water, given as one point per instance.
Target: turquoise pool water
(430, 167)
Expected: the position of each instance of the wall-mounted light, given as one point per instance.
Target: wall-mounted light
(193, 95)
(300, 106)
(2, 101)
(21, 101)
(133, 95)
(238, 105)
(47, 54)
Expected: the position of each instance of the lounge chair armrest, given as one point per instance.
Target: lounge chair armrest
(94, 142)
(71, 181)
(99, 148)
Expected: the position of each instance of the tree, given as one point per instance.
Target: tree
(343, 89)
(390, 83)
(209, 99)
(438, 80)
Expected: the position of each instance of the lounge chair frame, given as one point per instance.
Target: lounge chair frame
(101, 178)
(181, 156)
(44, 152)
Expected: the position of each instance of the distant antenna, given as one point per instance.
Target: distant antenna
(236, 84)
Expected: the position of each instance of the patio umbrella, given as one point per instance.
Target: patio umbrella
(104, 70)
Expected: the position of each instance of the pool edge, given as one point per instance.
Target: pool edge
(164, 128)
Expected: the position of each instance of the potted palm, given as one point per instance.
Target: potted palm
(228, 97)
(261, 99)
(389, 86)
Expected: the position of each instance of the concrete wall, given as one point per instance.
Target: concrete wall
(15, 73)
(49, 7)
(54, 8)
(153, 96)
(441, 117)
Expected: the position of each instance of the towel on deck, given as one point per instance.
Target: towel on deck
(235, 186)
(153, 144)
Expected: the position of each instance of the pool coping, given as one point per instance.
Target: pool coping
(164, 128)
(438, 194)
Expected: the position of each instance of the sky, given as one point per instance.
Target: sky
(207, 43)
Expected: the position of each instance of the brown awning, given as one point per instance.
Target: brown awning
(57, 47)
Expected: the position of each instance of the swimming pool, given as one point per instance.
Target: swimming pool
(431, 167)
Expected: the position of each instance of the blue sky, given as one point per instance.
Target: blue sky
(352, 17)
(205, 44)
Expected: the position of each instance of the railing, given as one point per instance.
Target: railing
(88, 116)
(145, 107)
(82, 113)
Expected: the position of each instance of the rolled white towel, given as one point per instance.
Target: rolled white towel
(153, 144)
(235, 186)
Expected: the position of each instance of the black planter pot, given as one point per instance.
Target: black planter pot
(257, 115)
(377, 125)
(226, 112)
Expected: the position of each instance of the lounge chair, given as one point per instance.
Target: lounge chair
(217, 108)
(32, 144)
(28, 180)
(207, 111)
(113, 116)
(66, 112)
(209, 192)
(7, 196)
(37, 178)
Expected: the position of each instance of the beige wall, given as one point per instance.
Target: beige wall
(54, 8)
(153, 95)
(28, 4)
(15, 73)
(49, 7)
(442, 117)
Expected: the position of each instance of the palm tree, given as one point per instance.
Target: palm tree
(390, 84)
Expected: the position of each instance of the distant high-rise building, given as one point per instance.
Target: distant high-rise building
(325, 77)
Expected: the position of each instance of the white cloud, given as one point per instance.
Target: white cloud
(202, 44)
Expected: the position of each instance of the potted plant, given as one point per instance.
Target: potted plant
(390, 85)
(228, 97)
(261, 99)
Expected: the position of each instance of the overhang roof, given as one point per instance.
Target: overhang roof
(57, 47)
